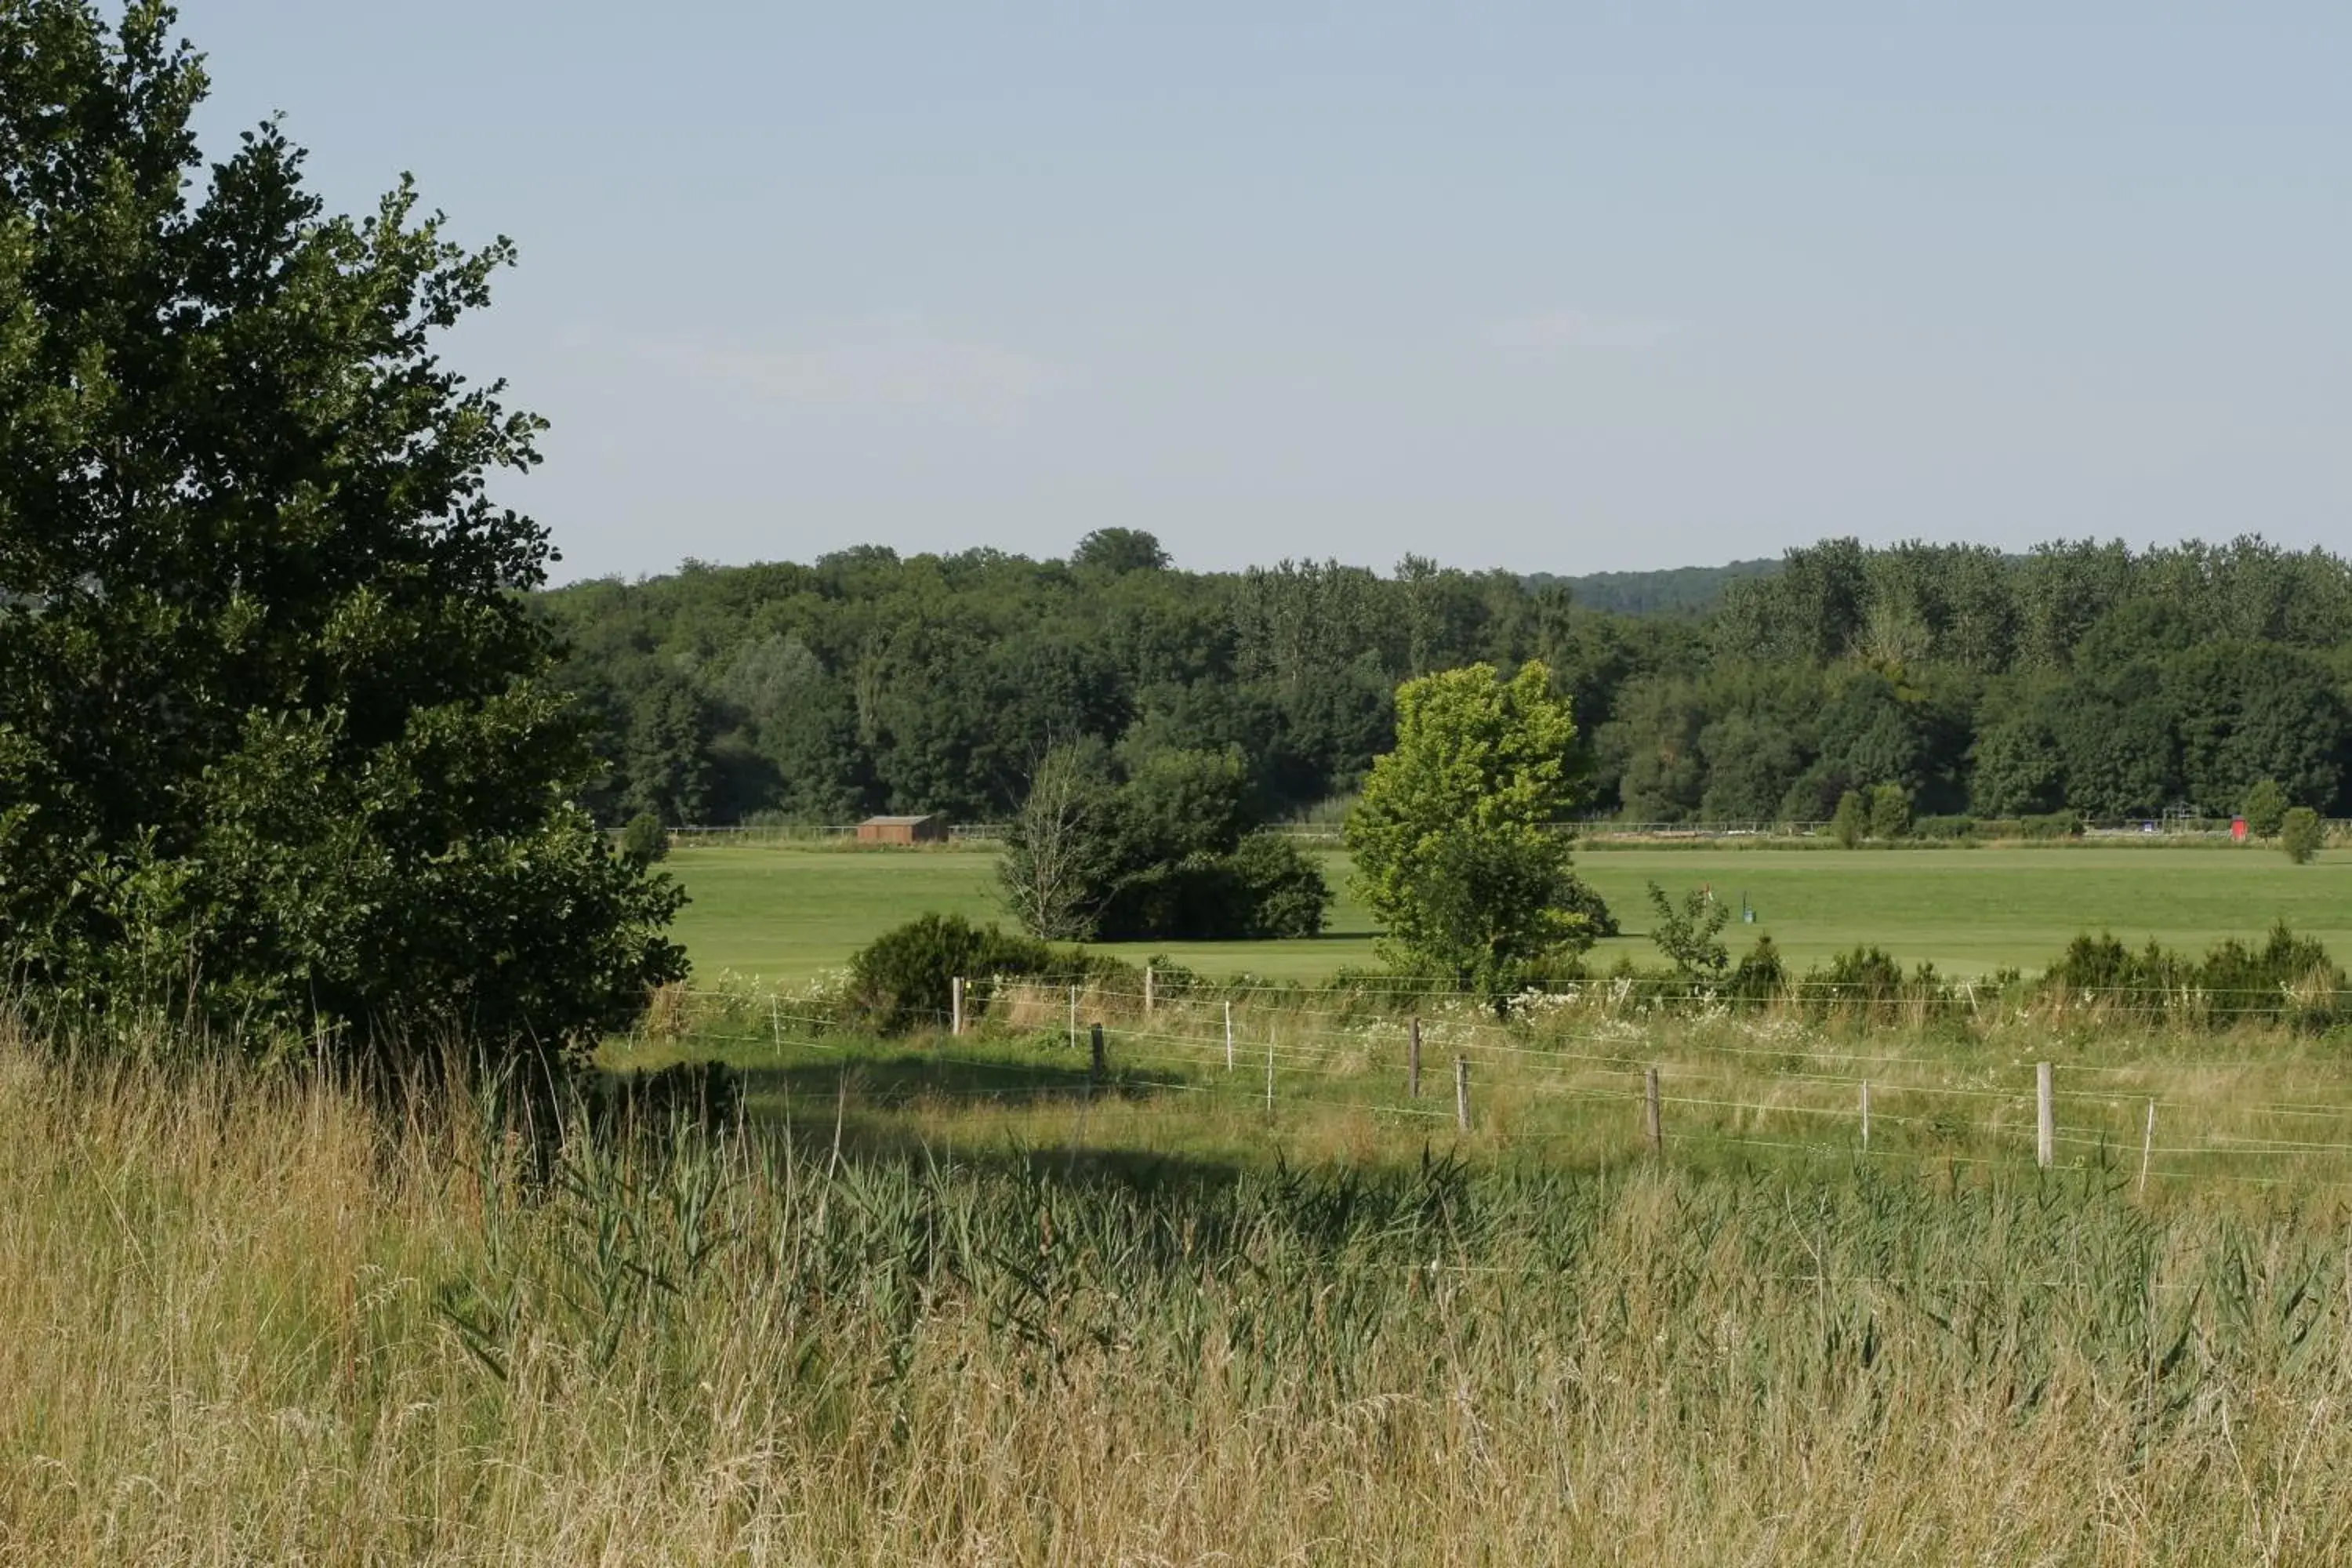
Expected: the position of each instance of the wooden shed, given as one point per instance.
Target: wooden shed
(903, 830)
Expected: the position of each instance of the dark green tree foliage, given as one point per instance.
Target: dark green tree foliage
(274, 737)
(644, 840)
(1762, 975)
(2288, 976)
(2300, 834)
(1118, 551)
(2083, 678)
(903, 980)
(1169, 850)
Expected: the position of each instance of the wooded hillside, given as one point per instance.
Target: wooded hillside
(2082, 676)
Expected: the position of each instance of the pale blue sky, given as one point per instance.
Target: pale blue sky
(1558, 287)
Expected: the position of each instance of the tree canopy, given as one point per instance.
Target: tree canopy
(1168, 846)
(1455, 836)
(2082, 678)
(276, 740)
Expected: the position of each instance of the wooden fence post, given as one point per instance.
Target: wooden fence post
(2146, 1148)
(955, 1005)
(1866, 1116)
(2045, 1121)
(1229, 1036)
(1462, 1093)
(1413, 1065)
(1269, 1073)
(1652, 1122)
(1095, 1067)
(1074, 1017)
(1150, 988)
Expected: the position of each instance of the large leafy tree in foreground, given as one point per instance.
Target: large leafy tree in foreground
(1454, 838)
(276, 747)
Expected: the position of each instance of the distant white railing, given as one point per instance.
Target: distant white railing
(2337, 830)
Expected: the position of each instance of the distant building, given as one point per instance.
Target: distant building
(903, 830)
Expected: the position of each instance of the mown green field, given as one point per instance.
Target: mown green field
(785, 913)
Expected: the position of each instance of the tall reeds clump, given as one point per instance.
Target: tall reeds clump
(245, 1317)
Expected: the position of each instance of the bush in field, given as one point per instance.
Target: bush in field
(1282, 892)
(2052, 824)
(1166, 852)
(1690, 933)
(644, 840)
(1850, 824)
(1944, 827)
(1761, 975)
(2300, 834)
(2288, 978)
(902, 979)
(2265, 808)
(1890, 811)
(2094, 965)
(1865, 977)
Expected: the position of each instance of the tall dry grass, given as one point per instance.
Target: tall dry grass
(246, 1319)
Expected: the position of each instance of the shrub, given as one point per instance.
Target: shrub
(1865, 980)
(2299, 833)
(1579, 897)
(644, 840)
(1691, 933)
(1165, 854)
(1945, 827)
(1851, 821)
(2051, 824)
(1279, 886)
(1890, 811)
(1761, 975)
(2094, 965)
(2265, 809)
(2288, 978)
(901, 980)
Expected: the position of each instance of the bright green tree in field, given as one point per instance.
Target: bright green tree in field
(277, 742)
(1454, 847)
(2300, 832)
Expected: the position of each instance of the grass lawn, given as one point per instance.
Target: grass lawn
(784, 914)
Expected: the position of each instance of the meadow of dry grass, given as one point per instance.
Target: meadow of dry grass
(244, 1317)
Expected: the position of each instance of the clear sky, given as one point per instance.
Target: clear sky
(1553, 286)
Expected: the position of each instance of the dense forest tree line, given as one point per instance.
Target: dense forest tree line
(2080, 677)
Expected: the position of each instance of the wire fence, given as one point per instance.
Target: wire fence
(2281, 1119)
(2204, 829)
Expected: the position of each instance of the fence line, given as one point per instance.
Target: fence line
(2206, 827)
(1312, 1071)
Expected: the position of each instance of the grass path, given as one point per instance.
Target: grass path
(783, 913)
